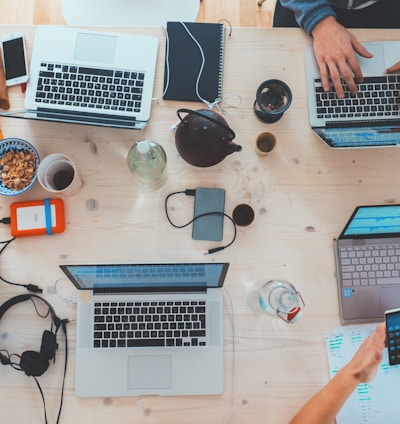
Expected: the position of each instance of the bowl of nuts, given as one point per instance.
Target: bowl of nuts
(19, 162)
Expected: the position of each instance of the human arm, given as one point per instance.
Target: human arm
(334, 45)
(334, 49)
(309, 13)
(323, 407)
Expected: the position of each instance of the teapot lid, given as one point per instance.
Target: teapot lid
(210, 115)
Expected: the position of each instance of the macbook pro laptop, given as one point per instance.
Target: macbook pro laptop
(87, 77)
(149, 329)
(369, 119)
(367, 256)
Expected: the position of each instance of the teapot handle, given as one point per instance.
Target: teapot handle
(210, 118)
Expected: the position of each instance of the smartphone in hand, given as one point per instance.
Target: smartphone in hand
(14, 58)
(392, 318)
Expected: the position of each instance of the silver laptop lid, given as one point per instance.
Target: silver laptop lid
(120, 65)
(147, 277)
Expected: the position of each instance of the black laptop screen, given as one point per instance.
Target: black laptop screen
(146, 276)
(373, 221)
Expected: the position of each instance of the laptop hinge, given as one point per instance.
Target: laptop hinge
(85, 118)
(360, 124)
(151, 290)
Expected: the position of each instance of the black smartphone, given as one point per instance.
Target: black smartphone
(392, 318)
(14, 58)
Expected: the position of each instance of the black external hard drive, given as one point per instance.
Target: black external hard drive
(210, 227)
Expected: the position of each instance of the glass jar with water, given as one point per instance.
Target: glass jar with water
(277, 298)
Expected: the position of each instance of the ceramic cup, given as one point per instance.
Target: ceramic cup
(58, 174)
(243, 215)
(273, 98)
(265, 143)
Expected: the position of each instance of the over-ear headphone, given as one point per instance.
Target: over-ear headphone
(34, 363)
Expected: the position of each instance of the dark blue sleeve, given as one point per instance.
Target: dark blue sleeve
(309, 12)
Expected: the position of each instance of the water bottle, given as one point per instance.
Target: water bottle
(277, 298)
(148, 162)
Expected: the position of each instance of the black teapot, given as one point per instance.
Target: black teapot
(203, 137)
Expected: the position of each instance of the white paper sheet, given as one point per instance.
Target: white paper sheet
(376, 402)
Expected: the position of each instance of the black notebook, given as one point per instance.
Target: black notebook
(183, 61)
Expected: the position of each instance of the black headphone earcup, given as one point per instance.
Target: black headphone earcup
(49, 345)
(33, 363)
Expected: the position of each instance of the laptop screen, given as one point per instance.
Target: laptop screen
(146, 276)
(368, 136)
(373, 221)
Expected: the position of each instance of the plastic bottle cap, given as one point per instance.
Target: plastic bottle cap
(143, 147)
(294, 314)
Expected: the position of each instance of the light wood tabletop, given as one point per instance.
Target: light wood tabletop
(302, 195)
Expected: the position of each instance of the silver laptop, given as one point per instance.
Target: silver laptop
(149, 329)
(367, 256)
(369, 119)
(87, 77)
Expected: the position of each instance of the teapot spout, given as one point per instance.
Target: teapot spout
(232, 148)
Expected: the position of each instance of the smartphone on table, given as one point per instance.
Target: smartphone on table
(392, 318)
(14, 58)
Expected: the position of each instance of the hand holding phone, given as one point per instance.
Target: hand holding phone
(14, 58)
(392, 318)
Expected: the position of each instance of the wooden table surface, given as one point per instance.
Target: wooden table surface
(302, 195)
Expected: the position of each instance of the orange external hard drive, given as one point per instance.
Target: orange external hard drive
(37, 217)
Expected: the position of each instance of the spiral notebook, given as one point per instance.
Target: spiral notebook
(187, 75)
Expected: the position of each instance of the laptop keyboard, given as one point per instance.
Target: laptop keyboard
(376, 97)
(146, 324)
(90, 88)
(370, 265)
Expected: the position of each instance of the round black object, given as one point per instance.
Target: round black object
(243, 215)
(273, 98)
(33, 363)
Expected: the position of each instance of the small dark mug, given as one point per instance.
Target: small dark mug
(273, 98)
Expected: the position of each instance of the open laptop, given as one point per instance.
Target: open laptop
(149, 329)
(369, 119)
(367, 256)
(87, 77)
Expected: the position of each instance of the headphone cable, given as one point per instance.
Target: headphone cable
(64, 327)
(43, 399)
(31, 287)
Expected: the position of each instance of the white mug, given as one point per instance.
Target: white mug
(58, 174)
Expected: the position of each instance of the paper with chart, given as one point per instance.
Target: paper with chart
(376, 402)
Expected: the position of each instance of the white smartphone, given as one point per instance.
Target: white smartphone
(14, 58)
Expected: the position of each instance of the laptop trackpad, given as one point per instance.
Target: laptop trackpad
(390, 298)
(376, 64)
(95, 48)
(149, 372)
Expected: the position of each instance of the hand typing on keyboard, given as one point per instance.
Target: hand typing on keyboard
(335, 48)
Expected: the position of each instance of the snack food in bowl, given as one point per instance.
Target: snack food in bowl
(19, 162)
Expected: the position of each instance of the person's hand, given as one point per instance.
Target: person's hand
(364, 364)
(334, 48)
(393, 69)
